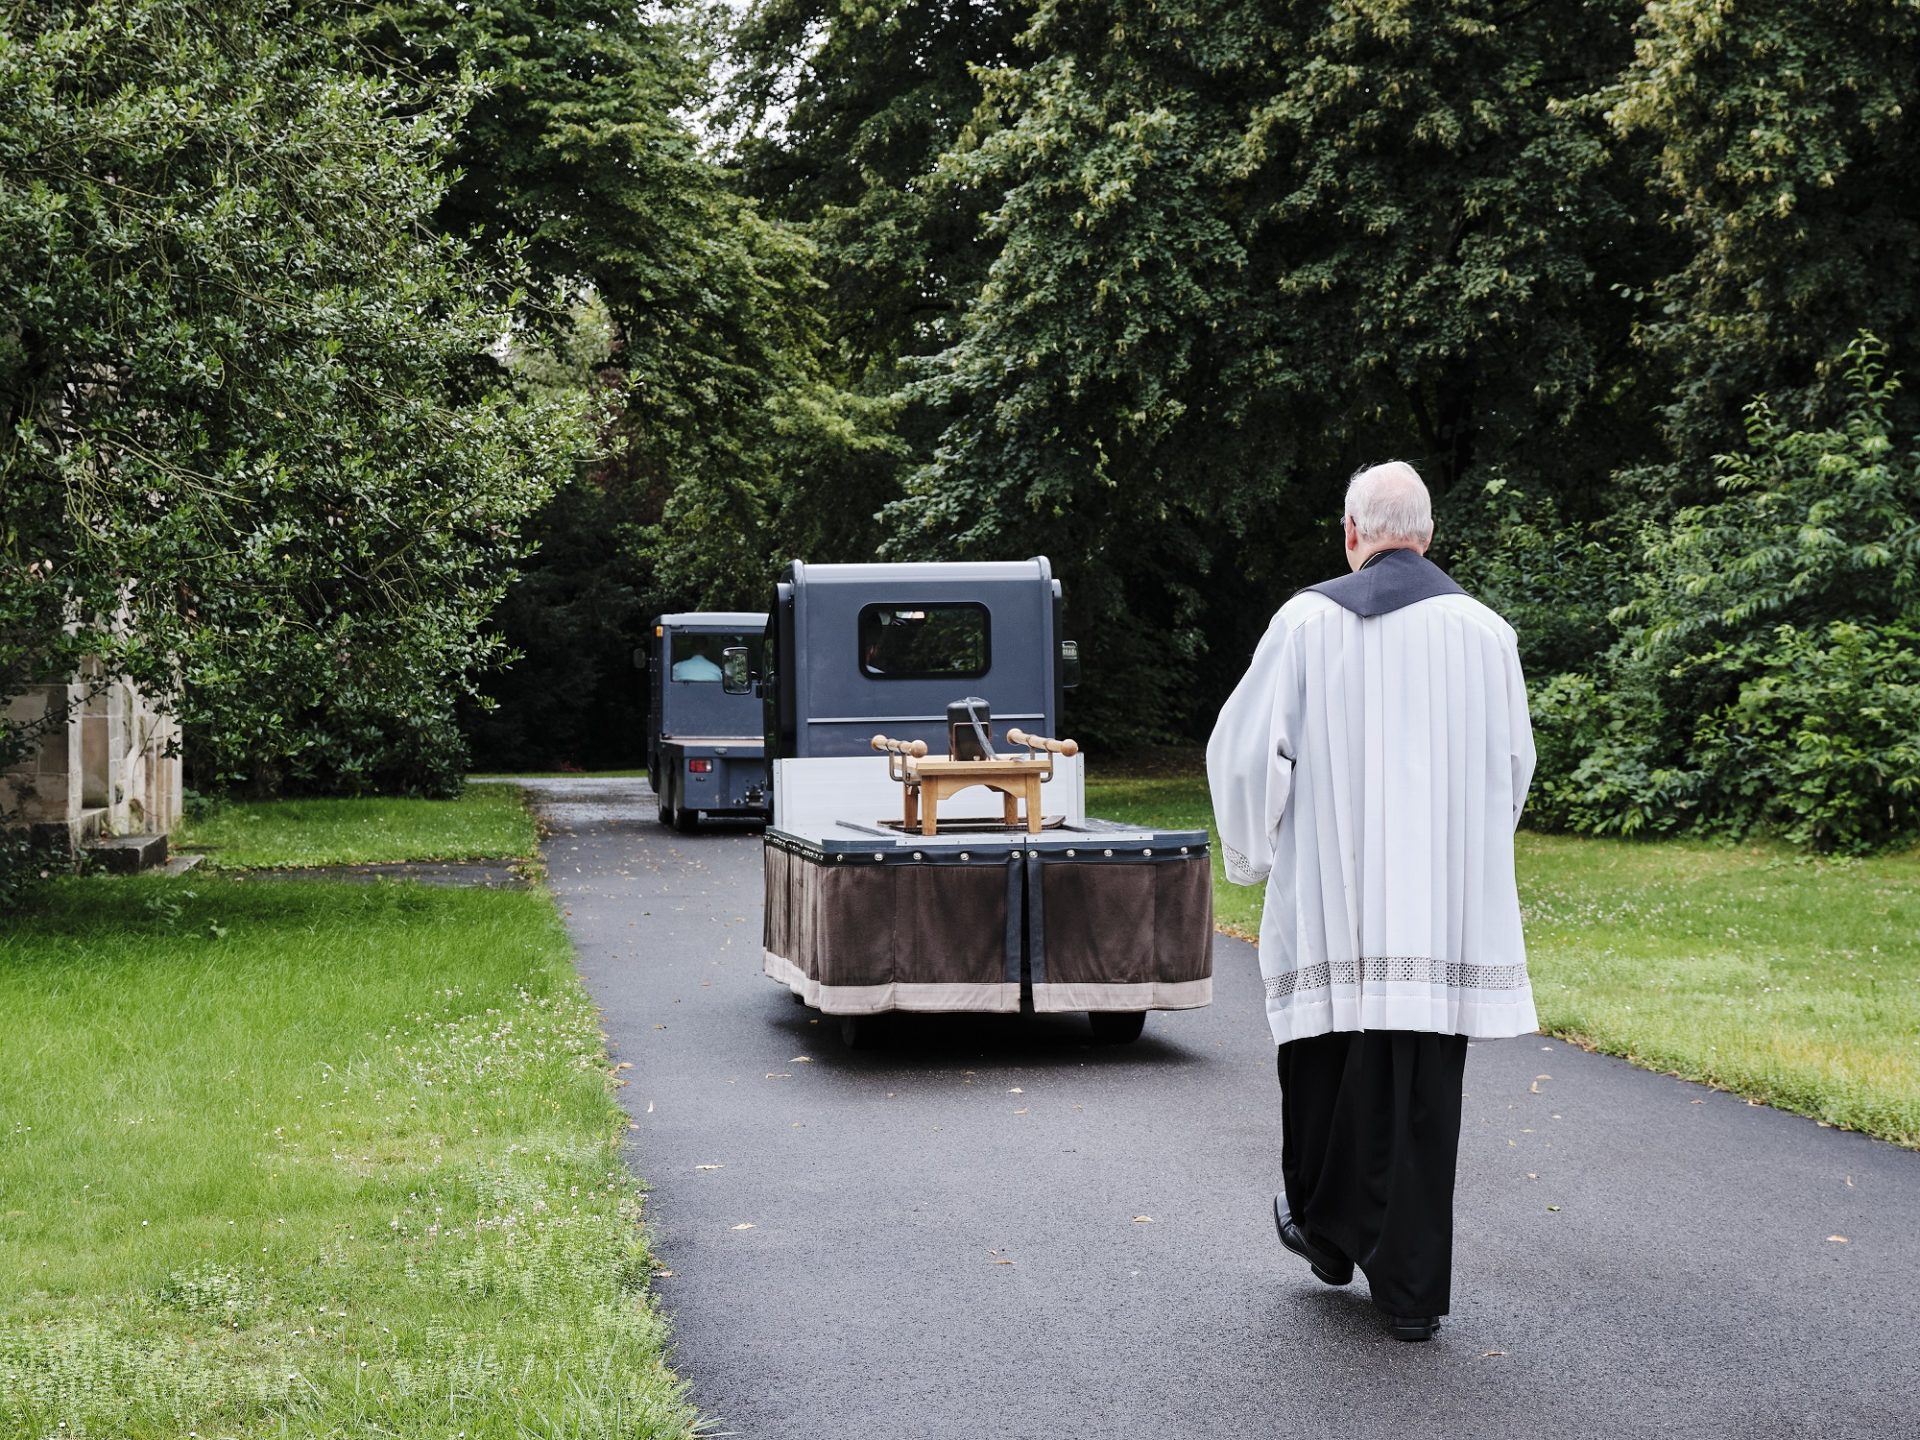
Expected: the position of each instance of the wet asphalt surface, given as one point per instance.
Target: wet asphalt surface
(989, 1227)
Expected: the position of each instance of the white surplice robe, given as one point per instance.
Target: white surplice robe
(1371, 772)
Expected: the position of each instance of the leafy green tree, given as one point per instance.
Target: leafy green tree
(842, 117)
(1241, 249)
(1785, 165)
(260, 452)
(846, 114)
(579, 152)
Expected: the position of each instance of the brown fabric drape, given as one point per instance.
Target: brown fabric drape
(861, 922)
(1128, 923)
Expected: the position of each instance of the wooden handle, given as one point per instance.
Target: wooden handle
(915, 748)
(1040, 742)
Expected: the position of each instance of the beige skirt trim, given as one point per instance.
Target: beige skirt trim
(1151, 995)
(897, 995)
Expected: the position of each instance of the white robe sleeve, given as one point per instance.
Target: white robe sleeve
(1520, 727)
(1250, 756)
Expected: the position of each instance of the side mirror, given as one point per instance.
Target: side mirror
(736, 674)
(639, 657)
(1069, 664)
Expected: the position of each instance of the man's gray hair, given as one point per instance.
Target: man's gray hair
(1389, 502)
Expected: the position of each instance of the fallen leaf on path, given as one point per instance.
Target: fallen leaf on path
(624, 1065)
(663, 1273)
(1143, 1219)
(709, 1167)
(649, 1107)
(778, 1075)
(1534, 1087)
(1016, 1090)
(1532, 1176)
(1543, 1077)
(1489, 1354)
(1003, 1262)
(747, 1226)
(1839, 1240)
(1553, 1207)
(1021, 1111)
(801, 1060)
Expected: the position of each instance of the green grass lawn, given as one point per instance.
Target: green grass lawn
(487, 822)
(1788, 980)
(301, 1158)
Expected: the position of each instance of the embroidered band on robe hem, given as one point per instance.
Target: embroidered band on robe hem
(1397, 970)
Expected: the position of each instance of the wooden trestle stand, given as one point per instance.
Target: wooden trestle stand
(926, 781)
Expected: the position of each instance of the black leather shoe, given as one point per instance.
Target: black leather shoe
(1329, 1266)
(1413, 1327)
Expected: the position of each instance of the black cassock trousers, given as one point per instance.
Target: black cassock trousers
(1370, 1133)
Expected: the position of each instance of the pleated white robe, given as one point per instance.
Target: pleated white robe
(1371, 772)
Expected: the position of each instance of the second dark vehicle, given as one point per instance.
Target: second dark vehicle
(705, 754)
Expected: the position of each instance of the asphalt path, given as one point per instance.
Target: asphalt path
(989, 1227)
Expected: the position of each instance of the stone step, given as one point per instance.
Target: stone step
(127, 854)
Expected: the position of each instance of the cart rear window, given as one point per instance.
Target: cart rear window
(924, 642)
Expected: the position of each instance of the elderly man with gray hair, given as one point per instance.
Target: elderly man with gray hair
(1369, 770)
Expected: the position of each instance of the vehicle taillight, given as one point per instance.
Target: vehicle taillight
(699, 767)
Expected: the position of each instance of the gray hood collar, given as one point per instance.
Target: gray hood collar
(1390, 580)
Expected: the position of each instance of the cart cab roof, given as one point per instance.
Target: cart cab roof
(963, 572)
(714, 620)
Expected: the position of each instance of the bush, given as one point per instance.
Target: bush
(1765, 674)
(1824, 743)
(1554, 579)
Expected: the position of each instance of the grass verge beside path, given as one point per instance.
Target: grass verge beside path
(307, 1158)
(1784, 979)
(487, 822)
(1788, 980)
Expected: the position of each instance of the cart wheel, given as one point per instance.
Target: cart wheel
(1116, 1027)
(667, 817)
(859, 1032)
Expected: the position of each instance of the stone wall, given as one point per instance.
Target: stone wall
(107, 764)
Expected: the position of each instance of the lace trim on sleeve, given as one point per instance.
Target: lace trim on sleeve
(1237, 865)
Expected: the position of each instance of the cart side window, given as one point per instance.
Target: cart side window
(696, 656)
(924, 642)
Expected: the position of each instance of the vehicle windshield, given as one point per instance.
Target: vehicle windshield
(696, 655)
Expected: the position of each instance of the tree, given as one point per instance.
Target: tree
(1243, 248)
(1785, 142)
(579, 151)
(843, 116)
(260, 451)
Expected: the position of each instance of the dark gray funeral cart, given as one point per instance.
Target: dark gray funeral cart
(705, 753)
(1005, 906)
